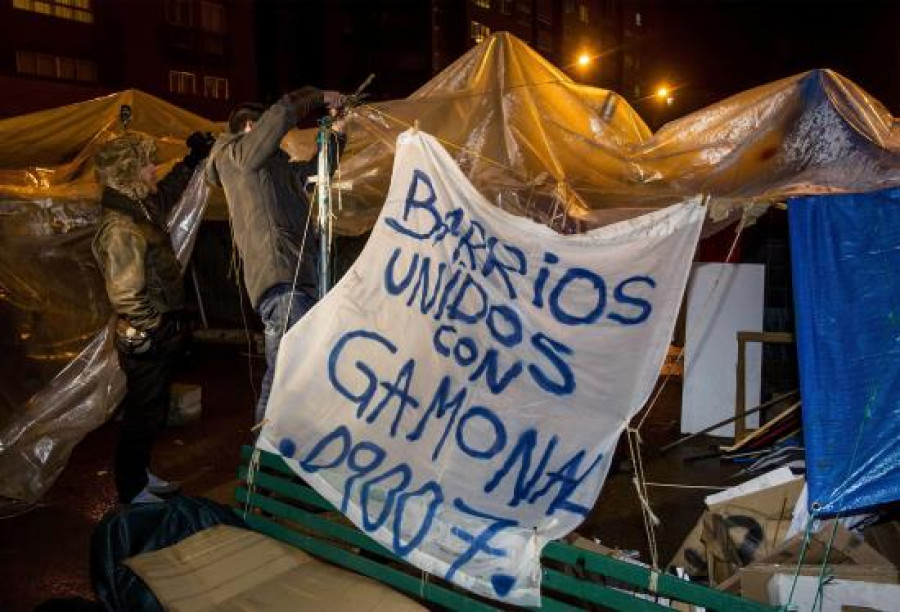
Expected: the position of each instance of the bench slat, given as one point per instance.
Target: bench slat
(344, 533)
(597, 593)
(667, 585)
(281, 484)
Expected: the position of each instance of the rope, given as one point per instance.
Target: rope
(640, 484)
(252, 468)
(297, 267)
(820, 597)
(684, 486)
(235, 268)
(803, 550)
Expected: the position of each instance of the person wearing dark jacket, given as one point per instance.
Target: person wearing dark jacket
(270, 213)
(144, 284)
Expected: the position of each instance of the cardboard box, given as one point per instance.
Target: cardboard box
(748, 528)
(885, 538)
(850, 559)
(226, 568)
(838, 595)
(754, 579)
(845, 548)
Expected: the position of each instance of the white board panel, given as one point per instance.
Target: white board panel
(722, 300)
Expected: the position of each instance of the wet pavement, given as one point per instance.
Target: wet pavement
(44, 552)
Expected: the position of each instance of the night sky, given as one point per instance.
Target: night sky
(716, 48)
(711, 49)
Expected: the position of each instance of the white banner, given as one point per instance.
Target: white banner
(459, 394)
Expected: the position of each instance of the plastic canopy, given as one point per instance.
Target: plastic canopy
(529, 138)
(576, 157)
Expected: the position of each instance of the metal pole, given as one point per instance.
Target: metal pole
(706, 430)
(199, 297)
(323, 185)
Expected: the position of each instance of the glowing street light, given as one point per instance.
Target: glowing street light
(583, 60)
(664, 95)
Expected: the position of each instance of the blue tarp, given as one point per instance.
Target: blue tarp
(845, 253)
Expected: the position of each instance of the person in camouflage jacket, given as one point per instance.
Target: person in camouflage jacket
(145, 287)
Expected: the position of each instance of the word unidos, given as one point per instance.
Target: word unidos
(457, 296)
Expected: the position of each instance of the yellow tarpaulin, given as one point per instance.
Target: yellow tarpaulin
(576, 157)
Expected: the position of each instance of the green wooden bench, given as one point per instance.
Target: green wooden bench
(280, 506)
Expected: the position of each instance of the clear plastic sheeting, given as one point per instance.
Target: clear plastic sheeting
(576, 157)
(184, 220)
(36, 444)
(59, 375)
(845, 253)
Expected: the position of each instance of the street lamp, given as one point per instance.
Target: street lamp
(664, 94)
(583, 60)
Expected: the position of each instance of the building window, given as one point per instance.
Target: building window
(66, 68)
(213, 44)
(182, 82)
(545, 41)
(479, 31)
(485, 4)
(638, 21)
(212, 17)
(178, 12)
(73, 10)
(583, 13)
(55, 67)
(85, 70)
(215, 87)
(26, 63)
(569, 6)
(506, 7)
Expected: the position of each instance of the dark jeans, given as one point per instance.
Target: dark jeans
(279, 309)
(145, 407)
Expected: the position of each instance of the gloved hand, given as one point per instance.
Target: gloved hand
(132, 341)
(200, 144)
(333, 99)
(304, 100)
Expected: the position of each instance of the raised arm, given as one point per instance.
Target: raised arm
(253, 148)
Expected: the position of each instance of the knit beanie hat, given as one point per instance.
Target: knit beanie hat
(119, 162)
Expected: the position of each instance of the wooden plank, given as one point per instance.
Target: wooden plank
(743, 337)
